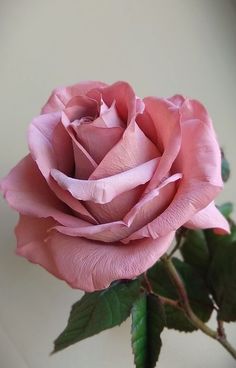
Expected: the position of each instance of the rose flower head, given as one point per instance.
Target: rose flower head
(109, 179)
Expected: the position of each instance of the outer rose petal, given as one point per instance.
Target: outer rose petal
(27, 192)
(199, 158)
(85, 264)
(209, 217)
(161, 123)
(189, 199)
(200, 162)
(61, 96)
(40, 138)
(48, 142)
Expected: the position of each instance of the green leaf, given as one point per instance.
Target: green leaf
(222, 279)
(196, 288)
(226, 209)
(225, 168)
(195, 250)
(98, 311)
(176, 319)
(221, 275)
(214, 240)
(147, 325)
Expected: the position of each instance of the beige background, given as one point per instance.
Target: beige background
(161, 47)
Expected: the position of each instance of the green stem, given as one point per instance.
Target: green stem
(163, 299)
(184, 302)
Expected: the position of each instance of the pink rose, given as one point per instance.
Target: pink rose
(109, 179)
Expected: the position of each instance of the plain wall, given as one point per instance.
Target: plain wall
(161, 47)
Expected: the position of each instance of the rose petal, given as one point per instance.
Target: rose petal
(111, 118)
(161, 123)
(145, 211)
(61, 95)
(40, 136)
(81, 106)
(199, 157)
(117, 208)
(127, 105)
(84, 163)
(27, 192)
(133, 149)
(85, 264)
(97, 141)
(104, 190)
(63, 151)
(151, 204)
(107, 233)
(177, 100)
(51, 147)
(31, 234)
(94, 136)
(209, 217)
(79, 210)
(200, 162)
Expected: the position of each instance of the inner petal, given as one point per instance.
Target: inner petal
(81, 106)
(132, 150)
(100, 135)
(97, 141)
(84, 163)
(117, 208)
(110, 116)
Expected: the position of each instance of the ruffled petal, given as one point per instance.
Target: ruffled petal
(79, 107)
(208, 218)
(127, 105)
(85, 264)
(110, 117)
(62, 95)
(106, 189)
